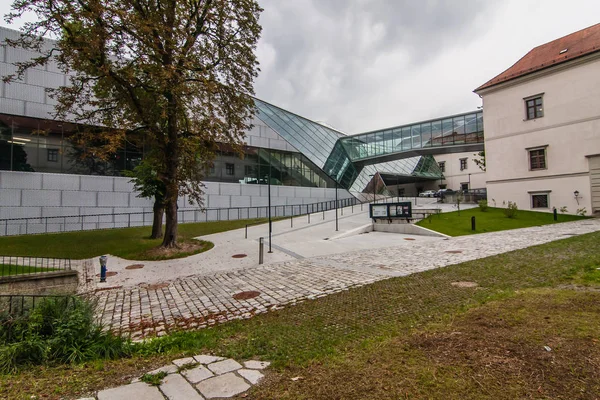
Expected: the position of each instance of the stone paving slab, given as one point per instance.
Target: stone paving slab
(198, 383)
(227, 385)
(139, 390)
(175, 387)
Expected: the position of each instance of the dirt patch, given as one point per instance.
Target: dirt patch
(465, 284)
(246, 295)
(239, 255)
(135, 266)
(453, 251)
(187, 247)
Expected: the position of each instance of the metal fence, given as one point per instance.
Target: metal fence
(36, 225)
(17, 265)
(19, 305)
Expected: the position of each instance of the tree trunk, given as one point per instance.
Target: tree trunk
(170, 239)
(157, 223)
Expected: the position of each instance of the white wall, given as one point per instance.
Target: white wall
(35, 195)
(453, 175)
(570, 128)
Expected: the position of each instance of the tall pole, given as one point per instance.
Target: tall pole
(469, 182)
(398, 188)
(336, 206)
(269, 194)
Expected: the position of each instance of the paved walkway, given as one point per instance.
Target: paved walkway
(206, 299)
(192, 378)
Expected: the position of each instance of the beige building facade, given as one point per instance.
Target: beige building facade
(542, 128)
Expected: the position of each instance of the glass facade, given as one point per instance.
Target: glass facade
(324, 155)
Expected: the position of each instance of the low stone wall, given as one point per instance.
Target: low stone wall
(407, 229)
(59, 282)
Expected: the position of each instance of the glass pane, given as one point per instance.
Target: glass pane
(426, 134)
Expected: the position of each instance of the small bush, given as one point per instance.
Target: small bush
(563, 210)
(511, 210)
(59, 330)
(581, 212)
(483, 205)
(154, 379)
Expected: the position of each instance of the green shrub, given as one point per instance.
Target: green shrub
(58, 330)
(483, 205)
(511, 210)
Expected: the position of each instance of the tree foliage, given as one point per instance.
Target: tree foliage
(481, 160)
(176, 73)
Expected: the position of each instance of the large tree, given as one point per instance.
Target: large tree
(178, 72)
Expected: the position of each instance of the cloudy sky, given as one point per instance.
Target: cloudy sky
(360, 65)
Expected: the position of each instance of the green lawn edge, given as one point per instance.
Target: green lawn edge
(458, 223)
(128, 243)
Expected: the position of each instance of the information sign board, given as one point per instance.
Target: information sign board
(391, 210)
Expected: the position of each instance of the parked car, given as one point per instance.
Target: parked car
(427, 193)
(443, 192)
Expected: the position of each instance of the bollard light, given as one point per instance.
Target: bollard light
(103, 260)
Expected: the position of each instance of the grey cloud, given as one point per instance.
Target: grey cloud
(332, 57)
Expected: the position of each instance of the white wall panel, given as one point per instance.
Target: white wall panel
(107, 199)
(215, 201)
(240, 201)
(41, 198)
(232, 189)
(45, 78)
(20, 180)
(59, 211)
(11, 106)
(10, 197)
(250, 190)
(78, 198)
(135, 201)
(60, 181)
(20, 91)
(20, 212)
(99, 183)
(38, 110)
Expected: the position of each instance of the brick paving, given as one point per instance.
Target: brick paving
(200, 301)
(204, 300)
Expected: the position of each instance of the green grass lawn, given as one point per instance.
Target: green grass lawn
(417, 336)
(129, 243)
(7, 270)
(492, 220)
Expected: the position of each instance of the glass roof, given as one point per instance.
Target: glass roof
(336, 154)
(314, 140)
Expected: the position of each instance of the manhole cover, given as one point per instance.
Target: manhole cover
(246, 295)
(409, 239)
(135, 266)
(453, 251)
(239, 255)
(465, 284)
(155, 286)
(109, 273)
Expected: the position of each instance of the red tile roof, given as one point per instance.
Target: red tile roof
(577, 44)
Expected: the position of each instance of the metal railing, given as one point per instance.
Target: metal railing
(56, 224)
(18, 265)
(19, 305)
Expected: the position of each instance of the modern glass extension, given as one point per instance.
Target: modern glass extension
(319, 156)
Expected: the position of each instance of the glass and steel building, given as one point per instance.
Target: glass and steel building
(282, 148)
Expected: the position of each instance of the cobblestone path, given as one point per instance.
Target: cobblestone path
(200, 301)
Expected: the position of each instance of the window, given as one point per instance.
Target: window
(464, 187)
(230, 169)
(442, 165)
(539, 200)
(463, 164)
(537, 159)
(534, 107)
(53, 155)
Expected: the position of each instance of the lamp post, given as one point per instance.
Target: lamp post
(398, 188)
(336, 206)
(374, 188)
(269, 195)
(469, 188)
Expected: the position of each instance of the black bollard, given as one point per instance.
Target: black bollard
(555, 215)
(473, 223)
